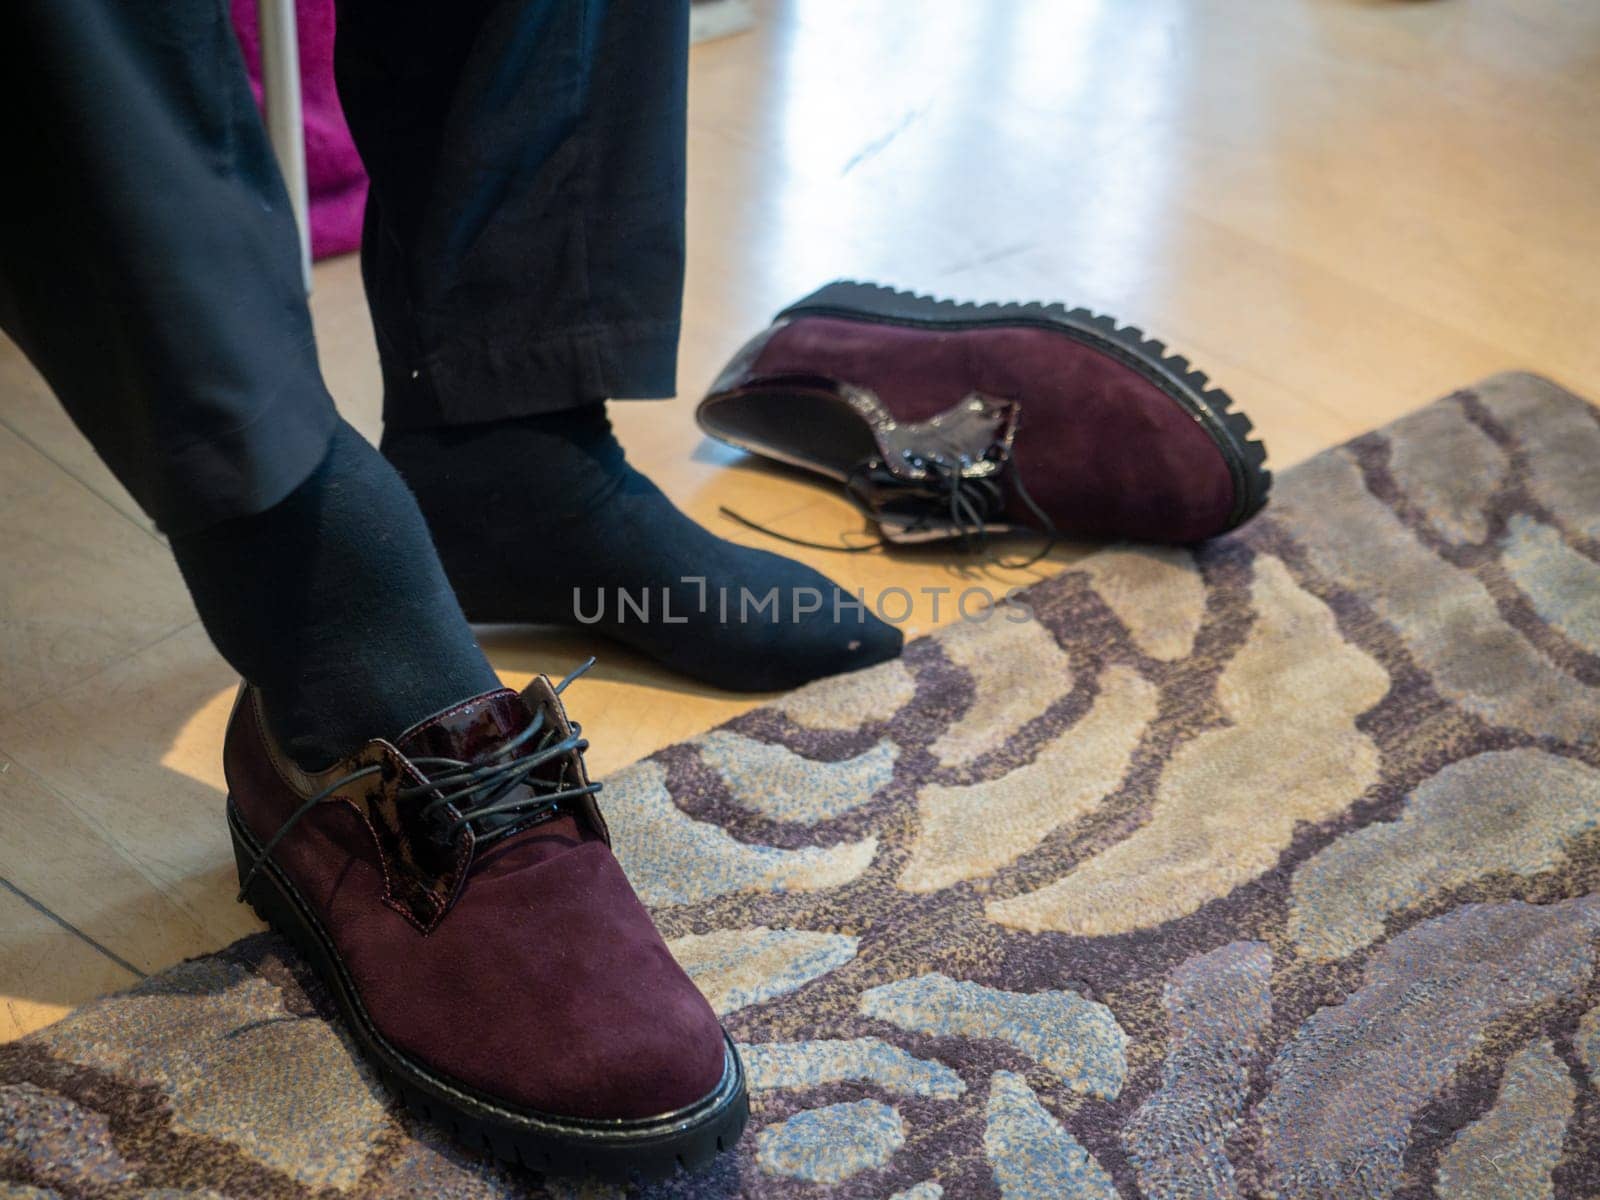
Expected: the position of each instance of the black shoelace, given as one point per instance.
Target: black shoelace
(476, 789)
(971, 506)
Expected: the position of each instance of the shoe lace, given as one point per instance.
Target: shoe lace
(970, 504)
(476, 789)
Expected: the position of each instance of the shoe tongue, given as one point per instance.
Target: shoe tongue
(468, 729)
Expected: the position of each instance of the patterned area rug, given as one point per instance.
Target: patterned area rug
(1272, 869)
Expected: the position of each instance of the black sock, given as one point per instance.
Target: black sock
(333, 603)
(529, 511)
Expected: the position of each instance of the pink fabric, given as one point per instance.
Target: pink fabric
(336, 179)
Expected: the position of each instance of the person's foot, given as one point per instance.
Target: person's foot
(949, 419)
(540, 520)
(456, 892)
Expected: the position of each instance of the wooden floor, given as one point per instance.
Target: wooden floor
(1339, 208)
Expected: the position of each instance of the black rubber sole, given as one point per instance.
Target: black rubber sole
(1210, 406)
(648, 1149)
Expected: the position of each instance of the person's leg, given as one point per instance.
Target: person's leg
(333, 603)
(523, 247)
(452, 885)
(524, 261)
(151, 272)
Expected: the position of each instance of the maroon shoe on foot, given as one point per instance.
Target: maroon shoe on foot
(947, 419)
(456, 892)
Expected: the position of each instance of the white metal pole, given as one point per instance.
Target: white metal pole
(280, 88)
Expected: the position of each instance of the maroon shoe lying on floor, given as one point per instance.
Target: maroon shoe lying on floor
(456, 892)
(945, 419)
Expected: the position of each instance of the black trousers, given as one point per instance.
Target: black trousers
(523, 247)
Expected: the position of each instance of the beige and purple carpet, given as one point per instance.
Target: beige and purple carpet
(1270, 870)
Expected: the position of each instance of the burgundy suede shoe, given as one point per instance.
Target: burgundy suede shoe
(456, 892)
(946, 420)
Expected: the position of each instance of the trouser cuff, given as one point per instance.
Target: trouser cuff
(468, 383)
(242, 472)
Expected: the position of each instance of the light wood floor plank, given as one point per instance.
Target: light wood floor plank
(46, 971)
(134, 753)
(73, 863)
(81, 585)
